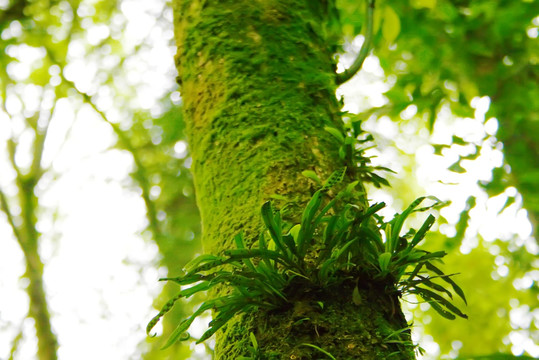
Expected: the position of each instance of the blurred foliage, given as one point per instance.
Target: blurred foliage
(441, 55)
(438, 56)
(445, 53)
(87, 52)
(160, 149)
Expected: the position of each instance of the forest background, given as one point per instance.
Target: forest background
(95, 182)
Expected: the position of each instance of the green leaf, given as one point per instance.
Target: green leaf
(390, 239)
(437, 204)
(342, 250)
(356, 297)
(398, 220)
(398, 332)
(448, 280)
(415, 272)
(251, 253)
(312, 175)
(240, 245)
(433, 255)
(335, 132)
(166, 308)
(458, 140)
(253, 340)
(420, 234)
(263, 246)
(427, 282)
(429, 4)
(391, 26)
(335, 178)
(350, 187)
(274, 230)
(430, 295)
(238, 239)
(456, 167)
(320, 349)
(217, 323)
(209, 265)
(446, 314)
(185, 324)
(196, 262)
(186, 293)
(305, 230)
(329, 231)
(290, 244)
(325, 269)
(185, 280)
(383, 261)
(294, 231)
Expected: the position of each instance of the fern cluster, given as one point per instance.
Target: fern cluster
(335, 241)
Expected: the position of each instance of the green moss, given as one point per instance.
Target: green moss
(258, 87)
(258, 91)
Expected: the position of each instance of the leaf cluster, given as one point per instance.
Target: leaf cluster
(334, 242)
(354, 143)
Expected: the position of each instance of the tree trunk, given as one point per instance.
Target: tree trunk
(258, 85)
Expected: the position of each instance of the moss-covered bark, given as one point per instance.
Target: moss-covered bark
(257, 80)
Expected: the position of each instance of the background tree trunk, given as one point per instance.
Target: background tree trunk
(258, 85)
(24, 230)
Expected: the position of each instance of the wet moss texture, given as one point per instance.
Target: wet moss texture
(258, 83)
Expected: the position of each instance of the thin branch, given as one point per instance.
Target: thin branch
(9, 215)
(36, 170)
(11, 142)
(16, 341)
(12, 149)
(364, 51)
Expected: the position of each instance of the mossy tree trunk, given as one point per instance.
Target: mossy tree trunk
(258, 83)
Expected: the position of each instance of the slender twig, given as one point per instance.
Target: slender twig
(16, 341)
(364, 51)
(11, 142)
(5, 208)
(36, 170)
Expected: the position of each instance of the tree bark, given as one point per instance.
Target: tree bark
(258, 84)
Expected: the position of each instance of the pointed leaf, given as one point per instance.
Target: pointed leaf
(166, 308)
(356, 297)
(241, 245)
(336, 133)
(253, 340)
(310, 174)
(420, 234)
(446, 314)
(184, 325)
(199, 260)
(448, 280)
(391, 26)
(271, 225)
(399, 219)
(221, 319)
(430, 295)
(383, 261)
(335, 178)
